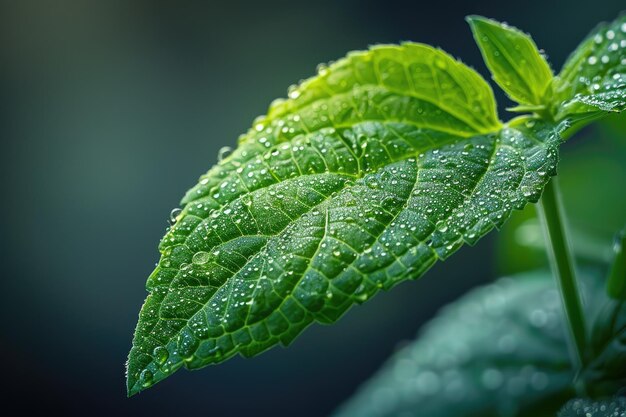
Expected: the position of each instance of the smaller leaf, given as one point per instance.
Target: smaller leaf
(514, 60)
(588, 408)
(616, 284)
(594, 77)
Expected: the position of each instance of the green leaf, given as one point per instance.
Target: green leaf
(370, 172)
(594, 77)
(514, 60)
(500, 350)
(579, 407)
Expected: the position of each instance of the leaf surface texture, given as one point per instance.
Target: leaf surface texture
(385, 162)
(593, 80)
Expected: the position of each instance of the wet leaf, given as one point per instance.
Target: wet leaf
(364, 177)
(514, 60)
(593, 80)
(370, 172)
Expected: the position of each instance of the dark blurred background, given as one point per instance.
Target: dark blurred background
(110, 110)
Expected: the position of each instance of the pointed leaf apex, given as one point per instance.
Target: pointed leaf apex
(514, 60)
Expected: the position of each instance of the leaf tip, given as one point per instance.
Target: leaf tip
(475, 21)
(138, 376)
(131, 381)
(132, 390)
(135, 385)
(472, 18)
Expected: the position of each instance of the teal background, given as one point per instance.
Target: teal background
(110, 110)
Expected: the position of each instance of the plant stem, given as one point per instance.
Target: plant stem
(550, 213)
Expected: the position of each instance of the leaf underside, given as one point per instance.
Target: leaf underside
(387, 161)
(500, 350)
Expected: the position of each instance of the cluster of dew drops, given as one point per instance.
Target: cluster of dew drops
(161, 353)
(587, 408)
(176, 212)
(609, 48)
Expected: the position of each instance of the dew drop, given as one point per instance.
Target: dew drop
(146, 378)
(322, 70)
(160, 354)
(200, 258)
(293, 92)
(371, 182)
(223, 153)
(174, 214)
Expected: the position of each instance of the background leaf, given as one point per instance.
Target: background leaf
(513, 59)
(594, 77)
(385, 162)
(500, 350)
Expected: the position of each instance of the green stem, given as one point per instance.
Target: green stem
(550, 212)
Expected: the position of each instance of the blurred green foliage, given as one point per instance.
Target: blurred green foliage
(500, 350)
